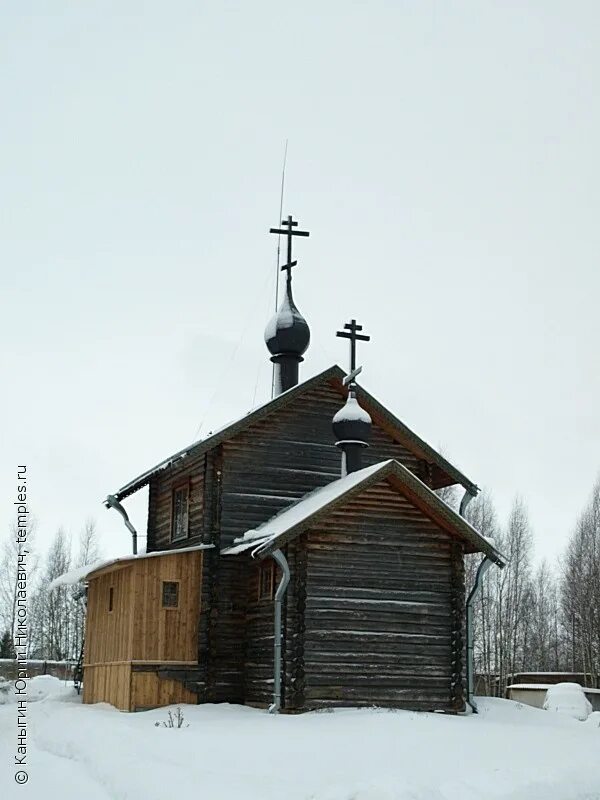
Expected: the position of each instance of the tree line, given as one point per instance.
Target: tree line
(55, 619)
(535, 618)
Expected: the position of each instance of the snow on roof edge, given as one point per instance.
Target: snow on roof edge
(79, 574)
(315, 501)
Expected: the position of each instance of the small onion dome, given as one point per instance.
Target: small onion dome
(287, 332)
(352, 423)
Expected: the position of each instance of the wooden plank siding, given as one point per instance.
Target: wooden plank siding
(108, 683)
(139, 631)
(108, 633)
(382, 583)
(166, 634)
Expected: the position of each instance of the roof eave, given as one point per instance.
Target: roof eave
(425, 449)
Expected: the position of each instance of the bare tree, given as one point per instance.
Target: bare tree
(482, 515)
(580, 591)
(450, 496)
(53, 608)
(12, 549)
(88, 552)
(514, 593)
(541, 652)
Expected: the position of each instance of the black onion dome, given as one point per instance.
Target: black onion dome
(352, 423)
(287, 332)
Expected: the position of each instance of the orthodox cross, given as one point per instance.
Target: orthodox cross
(288, 230)
(352, 332)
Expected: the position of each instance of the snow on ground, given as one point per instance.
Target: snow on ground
(39, 688)
(237, 753)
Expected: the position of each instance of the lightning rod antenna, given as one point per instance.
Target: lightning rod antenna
(280, 215)
(279, 251)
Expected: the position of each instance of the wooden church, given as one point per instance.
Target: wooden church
(298, 558)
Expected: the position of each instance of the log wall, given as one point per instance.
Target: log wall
(279, 459)
(247, 480)
(187, 470)
(237, 486)
(381, 620)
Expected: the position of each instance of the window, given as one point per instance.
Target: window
(266, 580)
(170, 594)
(179, 521)
(111, 598)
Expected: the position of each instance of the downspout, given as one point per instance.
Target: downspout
(112, 502)
(482, 569)
(467, 497)
(279, 595)
(474, 594)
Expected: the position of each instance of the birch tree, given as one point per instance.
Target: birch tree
(88, 552)
(580, 591)
(12, 548)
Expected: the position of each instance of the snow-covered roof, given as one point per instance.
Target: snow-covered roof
(81, 574)
(333, 374)
(302, 510)
(297, 517)
(529, 686)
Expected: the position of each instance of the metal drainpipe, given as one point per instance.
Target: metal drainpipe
(112, 502)
(467, 497)
(279, 594)
(481, 570)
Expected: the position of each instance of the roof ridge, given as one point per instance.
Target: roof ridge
(281, 399)
(405, 436)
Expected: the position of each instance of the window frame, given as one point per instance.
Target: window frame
(162, 595)
(177, 488)
(266, 568)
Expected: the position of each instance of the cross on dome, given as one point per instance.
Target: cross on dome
(351, 331)
(289, 232)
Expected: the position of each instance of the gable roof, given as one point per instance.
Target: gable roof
(333, 375)
(304, 513)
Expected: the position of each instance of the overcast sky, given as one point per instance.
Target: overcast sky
(443, 155)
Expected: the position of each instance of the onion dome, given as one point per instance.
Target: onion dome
(287, 332)
(352, 423)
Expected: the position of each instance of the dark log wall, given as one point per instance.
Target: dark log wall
(268, 466)
(383, 618)
(265, 468)
(281, 458)
(159, 504)
(259, 639)
(221, 645)
(259, 634)
(237, 486)
(293, 667)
